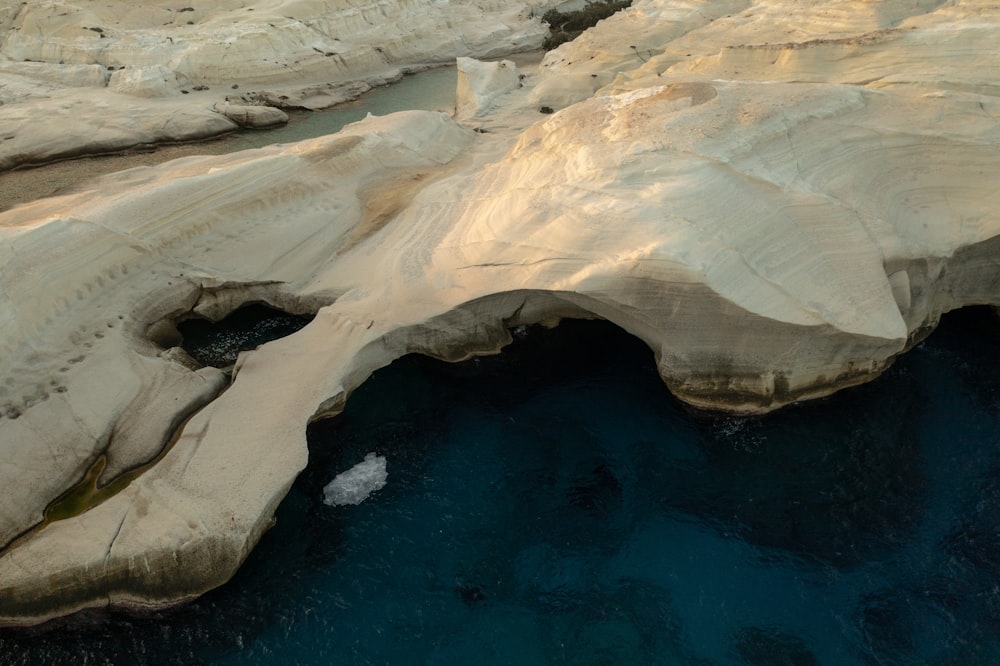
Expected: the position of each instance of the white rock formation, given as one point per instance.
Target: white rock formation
(75, 122)
(481, 83)
(256, 116)
(355, 485)
(154, 81)
(42, 76)
(772, 238)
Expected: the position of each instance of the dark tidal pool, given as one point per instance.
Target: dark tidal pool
(554, 505)
(219, 343)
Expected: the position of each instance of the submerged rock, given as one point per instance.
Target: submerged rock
(356, 484)
(254, 116)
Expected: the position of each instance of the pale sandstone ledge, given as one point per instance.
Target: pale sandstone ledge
(919, 45)
(770, 241)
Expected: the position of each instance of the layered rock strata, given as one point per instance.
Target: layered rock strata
(772, 238)
(481, 83)
(81, 77)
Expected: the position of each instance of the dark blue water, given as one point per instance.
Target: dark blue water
(219, 343)
(553, 505)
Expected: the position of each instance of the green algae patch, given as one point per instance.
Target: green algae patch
(78, 498)
(87, 494)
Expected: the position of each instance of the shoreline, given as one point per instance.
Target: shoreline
(30, 182)
(20, 184)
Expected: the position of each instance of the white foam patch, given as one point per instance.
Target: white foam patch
(356, 484)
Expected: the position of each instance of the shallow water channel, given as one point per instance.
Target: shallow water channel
(432, 90)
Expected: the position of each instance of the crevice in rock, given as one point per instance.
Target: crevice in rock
(89, 492)
(225, 319)
(218, 343)
(248, 315)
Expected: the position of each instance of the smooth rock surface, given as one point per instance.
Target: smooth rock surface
(255, 116)
(154, 81)
(772, 238)
(73, 122)
(481, 83)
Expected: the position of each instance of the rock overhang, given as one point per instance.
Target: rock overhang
(769, 241)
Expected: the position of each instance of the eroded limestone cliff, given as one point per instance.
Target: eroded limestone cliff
(778, 199)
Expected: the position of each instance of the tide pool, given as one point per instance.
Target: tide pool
(555, 505)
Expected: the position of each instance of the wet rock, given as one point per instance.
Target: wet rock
(252, 116)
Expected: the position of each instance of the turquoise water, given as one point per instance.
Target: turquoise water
(554, 505)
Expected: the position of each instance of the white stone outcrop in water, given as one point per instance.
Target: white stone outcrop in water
(356, 484)
(255, 116)
(772, 237)
(481, 83)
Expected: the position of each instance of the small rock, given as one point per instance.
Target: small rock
(252, 116)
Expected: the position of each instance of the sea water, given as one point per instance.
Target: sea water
(555, 505)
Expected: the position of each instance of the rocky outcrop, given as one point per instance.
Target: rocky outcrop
(481, 83)
(80, 122)
(219, 43)
(155, 81)
(40, 77)
(254, 116)
(770, 239)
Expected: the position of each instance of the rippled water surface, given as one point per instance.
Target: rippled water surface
(553, 505)
(219, 343)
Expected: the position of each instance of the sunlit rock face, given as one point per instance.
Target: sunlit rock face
(481, 83)
(793, 215)
(773, 237)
